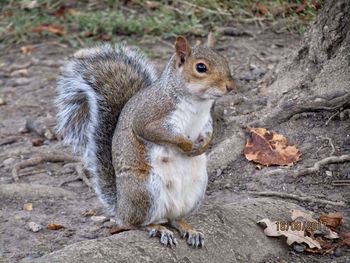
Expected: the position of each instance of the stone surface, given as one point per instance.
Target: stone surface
(231, 233)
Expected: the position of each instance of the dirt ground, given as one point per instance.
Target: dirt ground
(27, 88)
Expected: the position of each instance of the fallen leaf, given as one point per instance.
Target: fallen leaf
(269, 148)
(55, 29)
(63, 9)
(346, 241)
(27, 49)
(88, 213)
(260, 8)
(152, 5)
(291, 235)
(37, 142)
(55, 226)
(332, 220)
(29, 4)
(28, 206)
(345, 235)
(118, 229)
(301, 7)
(313, 226)
(105, 37)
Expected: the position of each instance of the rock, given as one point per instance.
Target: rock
(8, 161)
(99, 219)
(338, 252)
(37, 142)
(34, 227)
(230, 229)
(299, 248)
(2, 101)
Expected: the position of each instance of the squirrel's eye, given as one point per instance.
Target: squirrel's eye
(201, 68)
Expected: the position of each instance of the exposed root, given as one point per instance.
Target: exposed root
(330, 118)
(316, 167)
(10, 140)
(341, 182)
(78, 167)
(50, 157)
(298, 198)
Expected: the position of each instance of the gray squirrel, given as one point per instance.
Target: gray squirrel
(143, 136)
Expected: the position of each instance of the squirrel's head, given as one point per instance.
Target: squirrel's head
(205, 72)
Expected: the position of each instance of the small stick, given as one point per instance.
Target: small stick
(330, 118)
(341, 182)
(298, 198)
(78, 167)
(51, 157)
(316, 167)
(9, 140)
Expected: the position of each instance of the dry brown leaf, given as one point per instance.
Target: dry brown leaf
(292, 236)
(27, 49)
(55, 29)
(118, 229)
(64, 9)
(54, 226)
(332, 220)
(312, 225)
(152, 5)
(346, 241)
(88, 213)
(260, 8)
(269, 148)
(28, 206)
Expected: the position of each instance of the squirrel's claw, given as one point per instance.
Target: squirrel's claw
(166, 236)
(194, 238)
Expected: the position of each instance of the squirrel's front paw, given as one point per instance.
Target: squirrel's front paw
(201, 144)
(166, 236)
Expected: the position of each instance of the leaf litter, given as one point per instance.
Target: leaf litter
(321, 236)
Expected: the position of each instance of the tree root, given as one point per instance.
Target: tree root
(316, 167)
(78, 167)
(10, 140)
(51, 157)
(298, 198)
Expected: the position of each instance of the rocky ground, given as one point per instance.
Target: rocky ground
(58, 196)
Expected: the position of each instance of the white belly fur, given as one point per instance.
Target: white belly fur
(178, 182)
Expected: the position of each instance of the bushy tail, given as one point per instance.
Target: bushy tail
(92, 90)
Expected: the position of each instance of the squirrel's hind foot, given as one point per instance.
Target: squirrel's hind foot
(194, 238)
(166, 236)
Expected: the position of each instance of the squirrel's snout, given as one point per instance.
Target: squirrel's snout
(230, 85)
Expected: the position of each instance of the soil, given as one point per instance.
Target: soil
(28, 83)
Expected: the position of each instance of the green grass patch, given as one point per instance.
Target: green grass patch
(94, 20)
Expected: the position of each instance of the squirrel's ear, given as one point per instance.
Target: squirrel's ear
(211, 40)
(183, 50)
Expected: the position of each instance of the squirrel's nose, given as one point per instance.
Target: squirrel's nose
(230, 85)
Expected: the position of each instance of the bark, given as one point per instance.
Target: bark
(317, 76)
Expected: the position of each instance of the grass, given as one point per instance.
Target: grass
(94, 20)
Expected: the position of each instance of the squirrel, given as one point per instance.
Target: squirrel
(143, 137)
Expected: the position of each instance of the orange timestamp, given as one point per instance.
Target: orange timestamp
(309, 226)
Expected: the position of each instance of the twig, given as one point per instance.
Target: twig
(341, 182)
(316, 167)
(54, 158)
(331, 144)
(78, 167)
(206, 9)
(330, 118)
(10, 140)
(298, 198)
